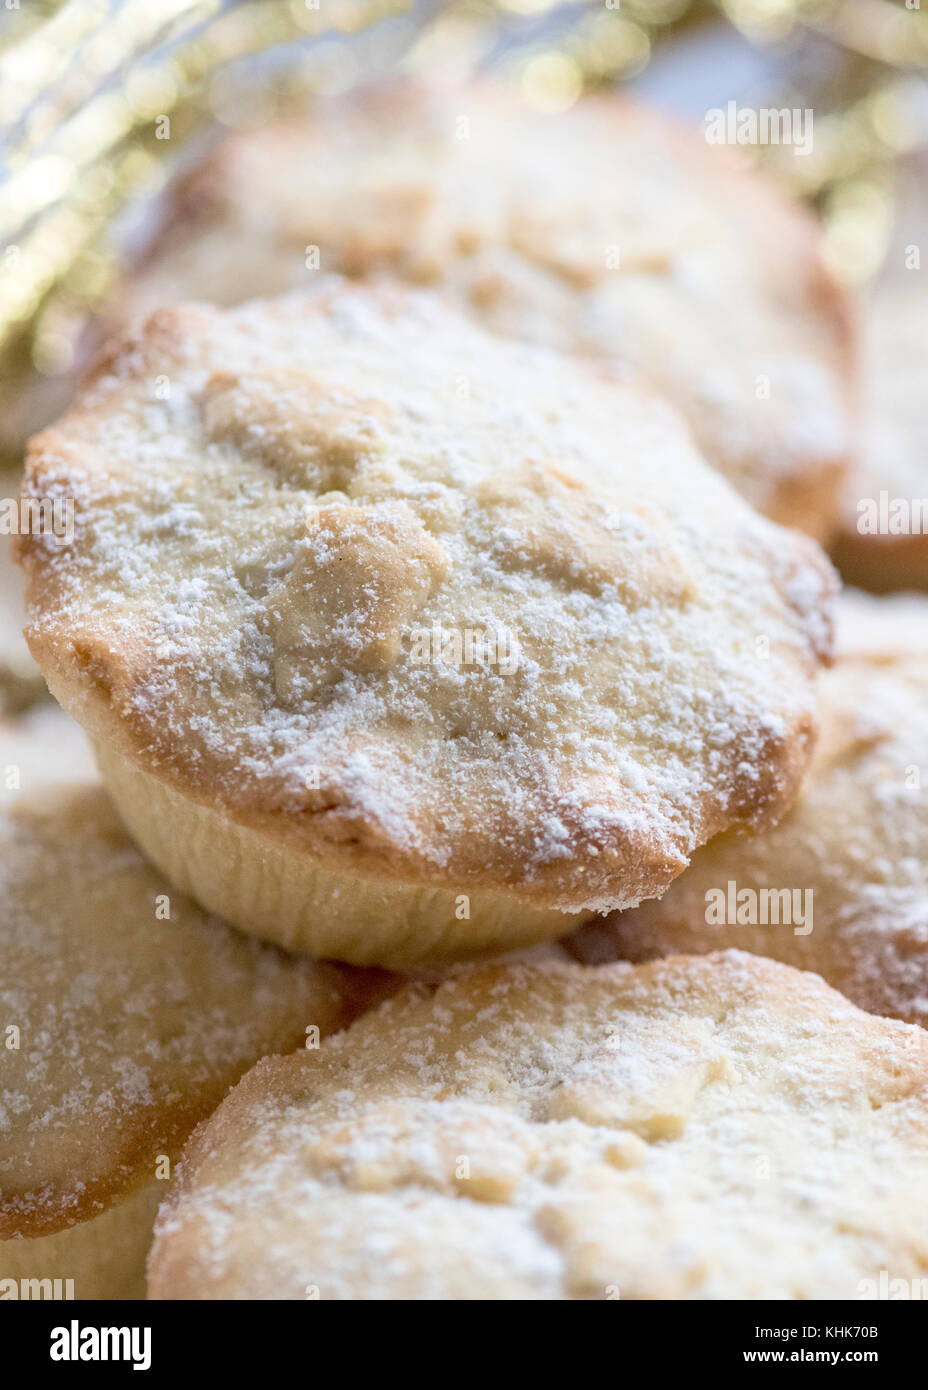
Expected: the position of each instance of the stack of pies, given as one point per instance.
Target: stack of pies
(445, 582)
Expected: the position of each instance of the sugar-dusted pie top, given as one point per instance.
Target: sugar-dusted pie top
(279, 507)
(607, 229)
(711, 1127)
(852, 854)
(125, 1012)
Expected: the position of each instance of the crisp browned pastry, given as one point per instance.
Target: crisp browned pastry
(398, 640)
(125, 1015)
(702, 1127)
(606, 230)
(840, 886)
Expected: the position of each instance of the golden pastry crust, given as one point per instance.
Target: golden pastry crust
(608, 230)
(571, 1133)
(333, 478)
(852, 854)
(887, 488)
(122, 1027)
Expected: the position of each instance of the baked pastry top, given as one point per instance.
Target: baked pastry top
(608, 229)
(125, 1012)
(851, 855)
(711, 1127)
(288, 514)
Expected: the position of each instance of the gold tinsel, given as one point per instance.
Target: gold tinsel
(98, 100)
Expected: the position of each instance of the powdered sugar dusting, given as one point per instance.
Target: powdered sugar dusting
(605, 230)
(133, 1011)
(572, 1133)
(854, 848)
(331, 474)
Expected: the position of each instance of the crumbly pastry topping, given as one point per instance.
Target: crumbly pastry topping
(284, 511)
(606, 230)
(125, 1012)
(852, 855)
(713, 1127)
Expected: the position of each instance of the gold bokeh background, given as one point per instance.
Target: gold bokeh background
(102, 101)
